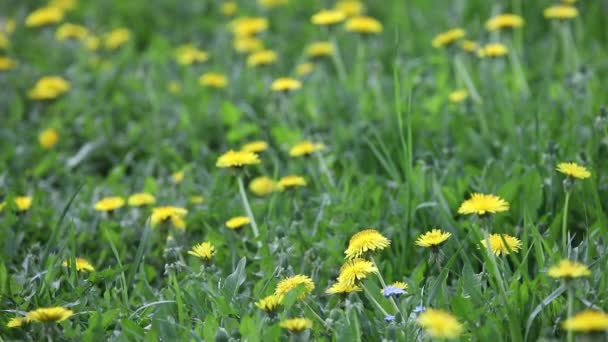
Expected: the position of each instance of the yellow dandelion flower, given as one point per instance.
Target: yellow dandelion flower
(562, 12)
(573, 170)
(272, 3)
(255, 146)
(400, 285)
(247, 26)
(304, 69)
(501, 244)
(174, 214)
(350, 8)
(493, 50)
(568, 269)
(229, 8)
(23, 203)
(178, 176)
(213, 80)
(82, 265)
(237, 159)
(197, 199)
(109, 203)
(354, 270)
(320, 49)
(343, 287)
(482, 204)
(237, 222)
(116, 38)
(458, 96)
(7, 64)
(288, 284)
(363, 24)
(52, 314)
(247, 44)
(174, 87)
(44, 16)
(305, 148)
(263, 57)
(433, 238)
(440, 324)
(285, 84)
(263, 186)
(587, 321)
(270, 303)
(327, 17)
(204, 250)
(296, 325)
(48, 138)
(291, 181)
(15, 322)
(469, 45)
(189, 54)
(140, 199)
(448, 37)
(368, 240)
(48, 88)
(504, 21)
(71, 31)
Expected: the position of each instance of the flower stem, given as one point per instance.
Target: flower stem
(338, 63)
(325, 169)
(565, 224)
(254, 225)
(570, 336)
(462, 71)
(371, 297)
(384, 285)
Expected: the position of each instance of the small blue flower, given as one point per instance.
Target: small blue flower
(389, 318)
(419, 309)
(392, 291)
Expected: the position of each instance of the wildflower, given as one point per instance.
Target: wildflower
(562, 12)
(175, 214)
(229, 8)
(291, 181)
(368, 240)
(262, 186)
(270, 304)
(569, 269)
(482, 204)
(92, 42)
(188, 54)
(320, 49)
(237, 222)
(433, 238)
(178, 176)
(363, 24)
(285, 84)
(49, 87)
(419, 309)
(296, 324)
(116, 38)
(48, 138)
(109, 203)
(458, 96)
(255, 146)
(71, 31)
(141, 199)
(587, 321)
(573, 170)
(22, 203)
(82, 265)
(44, 16)
(7, 63)
(396, 289)
(504, 21)
(197, 199)
(327, 17)
(272, 3)
(203, 250)
(213, 80)
(174, 87)
(469, 45)
(288, 284)
(263, 57)
(343, 287)
(501, 244)
(305, 68)
(389, 318)
(448, 37)
(493, 50)
(247, 26)
(305, 148)
(247, 44)
(355, 270)
(15, 322)
(237, 159)
(52, 314)
(440, 324)
(350, 8)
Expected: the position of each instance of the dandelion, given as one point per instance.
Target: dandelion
(355, 270)
(71, 31)
(458, 96)
(197, 199)
(291, 181)
(213, 80)
(368, 240)
(304, 69)
(285, 84)
(504, 21)
(44, 16)
(305, 148)
(493, 50)
(469, 45)
(15, 322)
(573, 170)
(320, 49)
(247, 26)
(188, 54)
(482, 204)
(587, 321)
(296, 325)
(297, 281)
(7, 64)
(229, 8)
(501, 244)
(363, 24)
(22, 203)
(395, 289)
(440, 324)
(343, 287)
(174, 87)
(51, 314)
(448, 37)
(178, 176)
(174, 214)
(263, 57)
(263, 186)
(238, 222)
(82, 265)
(327, 17)
(350, 8)
(237, 159)
(255, 146)
(48, 88)
(116, 38)
(109, 203)
(569, 270)
(247, 44)
(269, 304)
(203, 250)
(562, 12)
(433, 238)
(140, 199)
(48, 138)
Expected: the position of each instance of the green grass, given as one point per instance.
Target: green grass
(401, 156)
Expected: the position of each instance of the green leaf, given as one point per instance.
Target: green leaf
(235, 280)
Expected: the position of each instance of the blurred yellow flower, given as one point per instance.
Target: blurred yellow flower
(270, 303)
(204, 250)
(448, 37)
(320, 49)
(350, 8)
(237, 222)
(368, 240)
(440, 324)
(44, 16)
(327, 17)
(48, 138)
(82, 265)
(247, 26)
(140, 199)
(263, 57)
(354, 270)
(363, 24)
(178, 176)
(501, 244)
(188, 54)
(109, 203)
(229, 8)
(291, 181)
(458, 96)
(71, 31)
(573, 170)
(568, 269)
(587, 321)
(237, 159)
(432, 238)
(272, 3)
(343, 287)
(52, 314)
(116, 38)
(247, 44)
(175, 214)
(493, 50)
(15, 322)
(174, 87)
(504, 21)
(482, 204)
(197, 199)
(22, 203)
(560, 12)
(49, 87)
(288, 284)
(296, 324)
(305, 148)
(304, 68)
(255, 146)
(3, 40)
(469, 45)
(285, 84)
(262, 186)
(7, 63)
(213, 80)
(92, 42)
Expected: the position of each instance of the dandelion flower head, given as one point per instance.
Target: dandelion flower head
(504, 21)
(291, 181)
(440, 324)
(368, 240)
(82, 265)
(270, 303)
(204, 250)
(502, 244)
(587, 321)
(288, 284)
(363, 24)
(50, 314)
(237, 159)
(448, 37)
(296, 324)
(433, 238)
(237, 222)
(327, 17)
(573, 170)
(355, 270)
(482, 204)
(568, 269)
(109, 203)
(141, 199)
(263, 186)
(213, 80)
(305, 148)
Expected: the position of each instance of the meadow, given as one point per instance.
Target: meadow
(283, 170)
